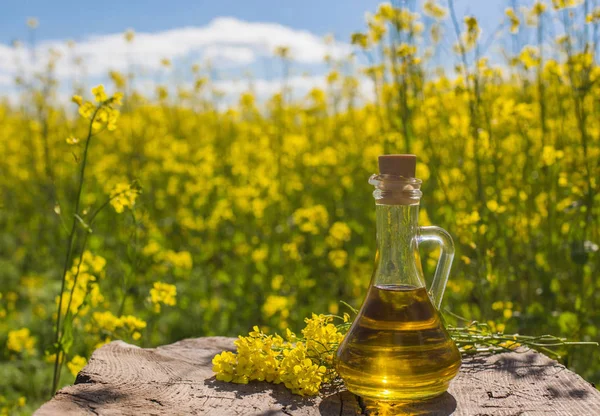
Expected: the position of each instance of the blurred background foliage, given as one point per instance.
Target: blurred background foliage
(259, 212)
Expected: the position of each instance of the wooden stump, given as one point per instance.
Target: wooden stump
(176, 379)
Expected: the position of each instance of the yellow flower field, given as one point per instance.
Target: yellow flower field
(196, 218)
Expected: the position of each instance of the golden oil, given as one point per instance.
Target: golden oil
(397, 347)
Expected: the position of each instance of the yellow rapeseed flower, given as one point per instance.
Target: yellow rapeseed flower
(405, 50)
(181, 260)
(550, 155)
(338, 258)
(594, 16)
(432, 9)
(492, 205)
(225, 365)
(260, 254)
(473, 31)
(514, 20)
(112, 117)
(282, 52)
(20, 340)
(129, 35)
(299, 373)
(76, 364)
(360, 39)
(94, 262)
(275, 304)
(86, 110)
(538, 8)
(122, 196)
(311, 220)
(377, 29)
(529, 57)
(295, 362)
(118, 79)
(339, 233)
(162, 92)
(117, 98)
(565, 4)
(33, 22)
(99, 93)
(108, 323)
(163, 293)
(498, 305)
(77, 99)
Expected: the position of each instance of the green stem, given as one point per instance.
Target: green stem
(56, 376)
(134, 262)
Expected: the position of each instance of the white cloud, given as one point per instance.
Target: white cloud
(265, 88)
(5, 79)
(7, 59)
(226, 42)
(223, 39)
(234, 55)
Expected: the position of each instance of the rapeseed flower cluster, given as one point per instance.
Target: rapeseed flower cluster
(311, 220)
(301, 364)
(9, 408)
(21, 341)
(300, 374)
(565, 4)
(514, 20)
(103, 113)
(122, 196)
(163, 293)
(76, 364)
(433, 9)
(276, 304)
(115, 327)
(339, 233)
(82, 284)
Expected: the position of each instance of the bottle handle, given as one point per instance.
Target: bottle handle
(442, 271)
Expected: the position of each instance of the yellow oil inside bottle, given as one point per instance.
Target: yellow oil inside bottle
(397, 348)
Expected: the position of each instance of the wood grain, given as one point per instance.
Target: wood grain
(176, 379)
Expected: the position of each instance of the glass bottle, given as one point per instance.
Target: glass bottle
(397, 347)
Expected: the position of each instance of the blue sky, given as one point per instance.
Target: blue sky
(237, 36)
(72, 19)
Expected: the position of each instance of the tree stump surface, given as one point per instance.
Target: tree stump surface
(177, 379)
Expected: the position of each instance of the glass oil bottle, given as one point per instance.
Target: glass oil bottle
(397, 348)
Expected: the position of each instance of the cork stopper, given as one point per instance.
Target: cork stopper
(396, 183)
(398, 165)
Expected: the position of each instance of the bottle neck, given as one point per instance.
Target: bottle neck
(398, 261)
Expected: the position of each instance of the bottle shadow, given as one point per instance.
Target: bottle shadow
(443, 405)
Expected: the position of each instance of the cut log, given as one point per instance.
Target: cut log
(176, 379)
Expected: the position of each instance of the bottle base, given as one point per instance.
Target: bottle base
(404, 394)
